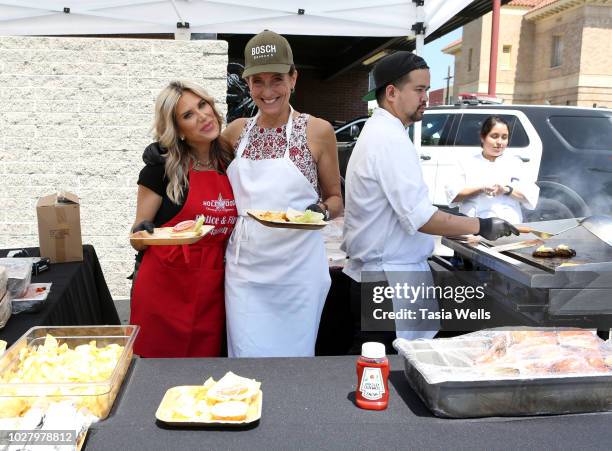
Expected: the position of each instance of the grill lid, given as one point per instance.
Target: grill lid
(600, 226)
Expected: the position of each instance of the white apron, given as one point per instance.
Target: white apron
(415, 274)
(276, 280)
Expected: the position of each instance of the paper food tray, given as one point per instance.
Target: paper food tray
(163, 413)
(163, 237)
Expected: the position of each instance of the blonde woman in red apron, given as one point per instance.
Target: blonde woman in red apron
(277, 279)
(178, 294)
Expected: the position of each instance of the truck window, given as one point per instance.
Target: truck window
(584, 132)
(432, 129)
(343, 133)
(518, 135)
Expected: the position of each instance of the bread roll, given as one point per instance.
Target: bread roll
(230, 411)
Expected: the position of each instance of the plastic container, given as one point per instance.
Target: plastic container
(372, 375)
(33, 300)
(19, 272)
(3, 281)
(97, 396)
(5, 309)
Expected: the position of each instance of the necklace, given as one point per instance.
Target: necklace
(199, 166)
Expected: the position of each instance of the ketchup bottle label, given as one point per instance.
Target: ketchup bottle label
(372, 386)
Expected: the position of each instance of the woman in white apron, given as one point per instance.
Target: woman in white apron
(490, 183)
(276, 280)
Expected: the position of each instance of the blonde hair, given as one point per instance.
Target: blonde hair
(179, 155)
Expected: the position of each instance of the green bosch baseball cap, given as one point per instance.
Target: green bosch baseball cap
(267, 52)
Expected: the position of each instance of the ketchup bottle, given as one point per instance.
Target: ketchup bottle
(372, 374)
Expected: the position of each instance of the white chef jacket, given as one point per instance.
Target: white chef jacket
(386, 201)
(478, 171)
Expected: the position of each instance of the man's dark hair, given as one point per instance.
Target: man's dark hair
(399, 83)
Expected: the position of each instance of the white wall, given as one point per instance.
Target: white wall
(76, 114)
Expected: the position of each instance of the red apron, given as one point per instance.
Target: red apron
(178, 299)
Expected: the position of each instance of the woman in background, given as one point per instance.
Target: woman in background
(490, 183)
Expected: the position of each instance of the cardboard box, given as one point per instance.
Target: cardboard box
(59, 227)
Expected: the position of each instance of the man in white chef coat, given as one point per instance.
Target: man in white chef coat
(389, 221)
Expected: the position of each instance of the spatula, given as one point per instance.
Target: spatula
(540, 234)
(546, 235)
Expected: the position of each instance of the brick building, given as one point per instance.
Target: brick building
(550, 52)
(338, 99)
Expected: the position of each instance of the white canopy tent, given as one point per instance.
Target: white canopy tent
(302, 17)
(374, 18)
(357, 18)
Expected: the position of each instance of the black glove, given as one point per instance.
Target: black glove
(144, 225)
(316, 208)
(494, 228)
(153, 154)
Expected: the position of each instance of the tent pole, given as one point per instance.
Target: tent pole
(419, 31)
(420, 42)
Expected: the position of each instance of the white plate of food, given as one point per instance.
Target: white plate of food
(290, 219)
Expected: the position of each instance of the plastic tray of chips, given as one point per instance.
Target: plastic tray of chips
(72, 380)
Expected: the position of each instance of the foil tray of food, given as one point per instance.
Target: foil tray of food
(58, 422)
(504, 372)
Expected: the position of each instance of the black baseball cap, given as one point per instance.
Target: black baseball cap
(392, 67)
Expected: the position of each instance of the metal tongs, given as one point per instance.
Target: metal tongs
(598, 225)
(546, 235)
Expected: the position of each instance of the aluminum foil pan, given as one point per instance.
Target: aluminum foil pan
(456, 378)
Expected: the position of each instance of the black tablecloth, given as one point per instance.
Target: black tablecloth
(308, 404)
(335, 335)
(79, 296)
(340, 329)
